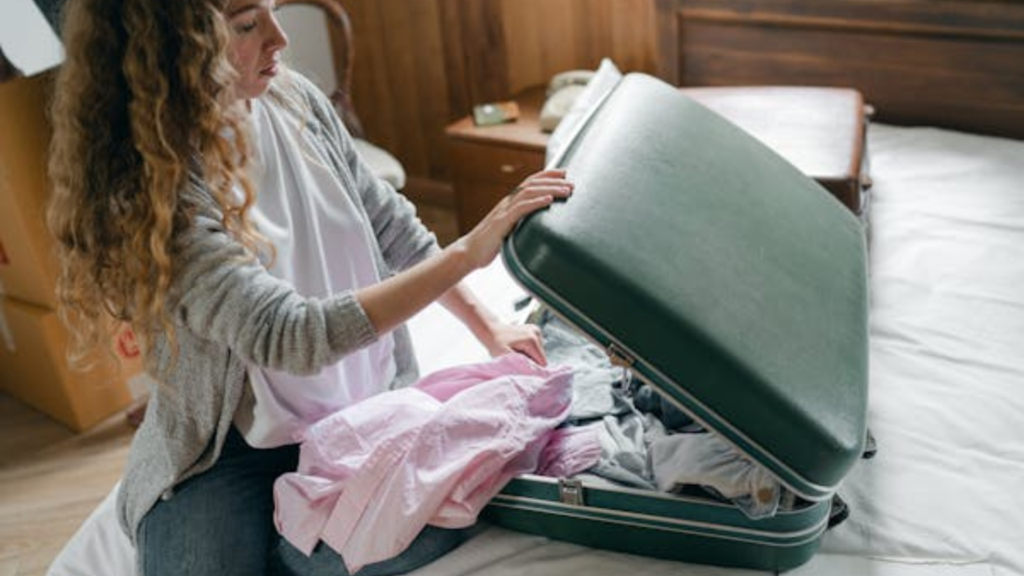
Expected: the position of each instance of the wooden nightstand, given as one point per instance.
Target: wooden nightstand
(820, 130)
(488, 161)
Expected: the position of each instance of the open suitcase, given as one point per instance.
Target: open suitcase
(734, 285)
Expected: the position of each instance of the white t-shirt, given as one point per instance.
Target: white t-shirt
(324, 246)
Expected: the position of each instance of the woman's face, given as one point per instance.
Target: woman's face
(256, 42)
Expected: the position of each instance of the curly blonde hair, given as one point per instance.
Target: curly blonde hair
(143, 103)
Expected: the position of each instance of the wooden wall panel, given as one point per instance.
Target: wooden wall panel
(421, 64)
(633, 36)
(951, 63)
(399, 84)
(894, 70)
(549, 36)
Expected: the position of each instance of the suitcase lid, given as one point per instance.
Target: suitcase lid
(718, 272)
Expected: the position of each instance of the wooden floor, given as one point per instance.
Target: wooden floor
(51, 479)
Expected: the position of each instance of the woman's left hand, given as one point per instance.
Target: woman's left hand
(522, 338)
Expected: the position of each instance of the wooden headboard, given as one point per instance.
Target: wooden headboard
(951, 63)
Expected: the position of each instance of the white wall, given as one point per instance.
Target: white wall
(26, 38)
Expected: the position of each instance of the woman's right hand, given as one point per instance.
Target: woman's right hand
(537, 191)
(396, 299)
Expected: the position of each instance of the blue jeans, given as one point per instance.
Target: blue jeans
(220, 523)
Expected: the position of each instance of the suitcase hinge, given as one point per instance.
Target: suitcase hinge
(570, 491)
(618, 356)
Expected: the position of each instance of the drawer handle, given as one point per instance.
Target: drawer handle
(509, 168)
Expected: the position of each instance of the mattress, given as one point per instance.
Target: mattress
(943, 496)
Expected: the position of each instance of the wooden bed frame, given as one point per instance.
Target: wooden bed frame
(952, 63)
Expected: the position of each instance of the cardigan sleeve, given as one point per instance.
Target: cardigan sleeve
(222, 293)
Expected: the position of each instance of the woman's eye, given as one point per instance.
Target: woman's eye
(245, 27)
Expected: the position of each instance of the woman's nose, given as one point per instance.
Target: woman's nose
(278, 40)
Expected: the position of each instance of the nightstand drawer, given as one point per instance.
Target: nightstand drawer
(479, 163)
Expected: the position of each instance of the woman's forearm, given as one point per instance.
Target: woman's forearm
(395, 300)
(471, 311)
(398, 298)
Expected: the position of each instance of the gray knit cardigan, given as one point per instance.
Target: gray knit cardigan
(228, 310)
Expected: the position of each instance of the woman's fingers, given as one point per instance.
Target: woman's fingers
(520, 207)
(553, 188)
(542, 187)
(536, 192)
(533, 349)
(558, 173)
(549, 177)
(530, 194)
(543, 182)
(524, 339)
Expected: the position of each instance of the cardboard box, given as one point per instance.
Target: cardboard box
(28, 269)
(34, 369)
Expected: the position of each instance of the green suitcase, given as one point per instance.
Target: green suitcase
(733, 284)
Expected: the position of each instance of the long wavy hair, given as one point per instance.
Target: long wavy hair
(143, 103)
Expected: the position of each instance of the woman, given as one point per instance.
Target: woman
(195, 183)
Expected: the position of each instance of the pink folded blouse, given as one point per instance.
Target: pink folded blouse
(371, 476)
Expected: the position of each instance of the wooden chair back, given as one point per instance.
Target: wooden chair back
(339, 29)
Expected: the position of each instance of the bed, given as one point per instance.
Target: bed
(943, 496)
(946, 241)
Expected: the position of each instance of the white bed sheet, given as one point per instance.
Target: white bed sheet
(945, 495)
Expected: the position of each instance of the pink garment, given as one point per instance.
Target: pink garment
(570, 451)
(371, 476)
